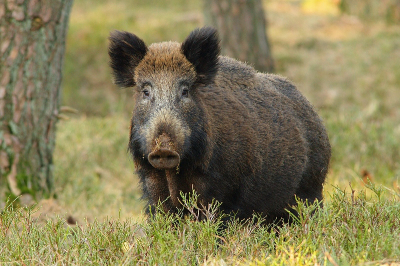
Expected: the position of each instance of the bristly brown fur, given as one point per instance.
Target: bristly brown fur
(247, 139)
(164, 58)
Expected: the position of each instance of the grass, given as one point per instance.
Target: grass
(349, 71)
(94, 173)
(350, 230)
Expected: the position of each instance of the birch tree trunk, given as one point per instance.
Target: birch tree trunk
(241, 25)
(32, 41)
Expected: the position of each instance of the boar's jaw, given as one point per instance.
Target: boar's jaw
(164, 159)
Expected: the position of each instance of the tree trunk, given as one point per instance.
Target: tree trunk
(32, 42)
(242, 28)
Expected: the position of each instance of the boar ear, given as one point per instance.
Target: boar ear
(126, 50)
(201, 48)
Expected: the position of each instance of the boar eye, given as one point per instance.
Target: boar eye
(145, 89)
(185, 93)
(146, 93)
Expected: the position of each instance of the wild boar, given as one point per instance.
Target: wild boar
(215, 125)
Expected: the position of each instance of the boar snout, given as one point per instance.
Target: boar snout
(163, 156)
(164, 159)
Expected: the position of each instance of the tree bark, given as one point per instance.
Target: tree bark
(32, 43)
(242, 28)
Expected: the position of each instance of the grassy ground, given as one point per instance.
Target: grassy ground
(350, 230)
(348, 70)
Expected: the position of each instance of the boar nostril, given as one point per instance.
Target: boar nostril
(164, 158)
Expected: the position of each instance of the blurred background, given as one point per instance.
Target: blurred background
(343, 55)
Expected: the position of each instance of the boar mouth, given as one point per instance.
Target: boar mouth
(164, 159)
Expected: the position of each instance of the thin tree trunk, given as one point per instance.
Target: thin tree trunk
(32, 42)
(242, 28)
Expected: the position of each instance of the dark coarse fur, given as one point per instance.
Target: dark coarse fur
(126, 51)
(247, 139)
(201, 48)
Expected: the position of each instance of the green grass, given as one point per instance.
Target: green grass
(349, 71)
(349, 230)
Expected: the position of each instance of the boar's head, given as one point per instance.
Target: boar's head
(169, 127)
